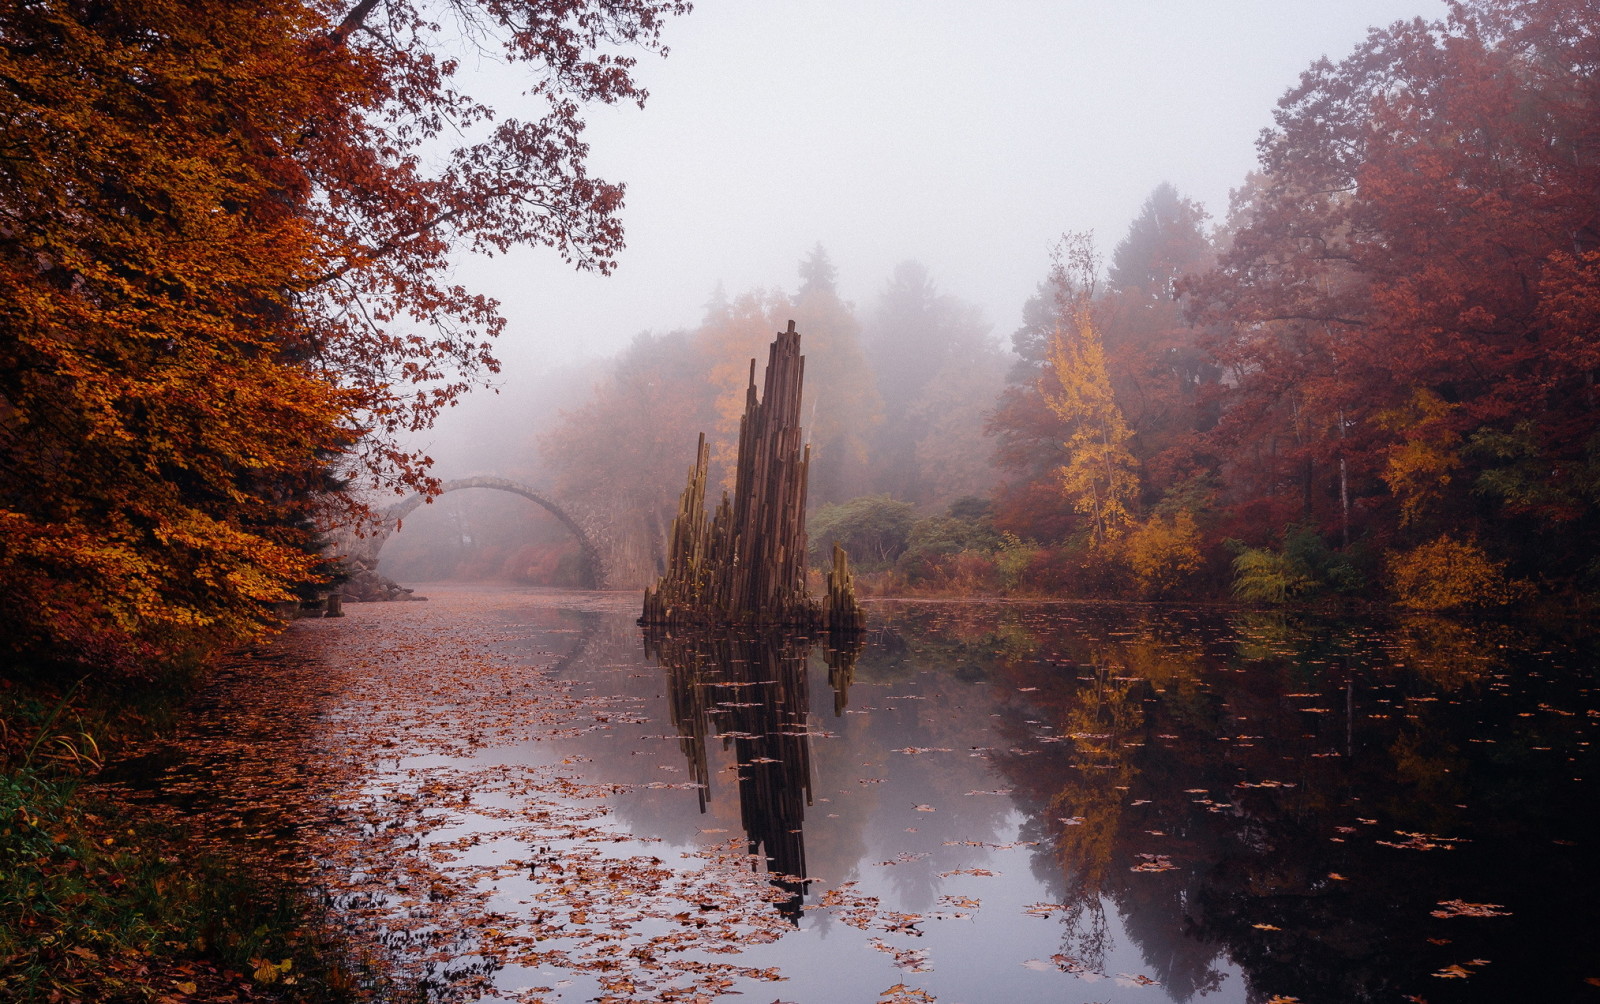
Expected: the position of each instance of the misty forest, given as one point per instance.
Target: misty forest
(1220, 633)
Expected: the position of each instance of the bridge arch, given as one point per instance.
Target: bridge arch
(594, 570)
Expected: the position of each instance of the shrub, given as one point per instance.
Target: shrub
(1012, 561)
(1164, 553)
(1265, 576)
(970, 573)
(1448, 574)
(873, 528)
(1049, 570)
(1338, 570)
(952, 534)
(1304, 564)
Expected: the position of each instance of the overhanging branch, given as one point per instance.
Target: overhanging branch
(352, 21)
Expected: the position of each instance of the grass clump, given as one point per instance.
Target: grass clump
(102, 904)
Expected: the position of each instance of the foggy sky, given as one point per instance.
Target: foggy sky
(966, 136)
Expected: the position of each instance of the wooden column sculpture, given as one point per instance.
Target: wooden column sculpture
(745, 564)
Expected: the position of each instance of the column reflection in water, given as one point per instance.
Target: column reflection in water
(750, 690)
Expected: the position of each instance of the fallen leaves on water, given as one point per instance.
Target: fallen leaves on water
(1453, 973)
(1422, 842)
(1045, 909)
(912, 960)
(904, 857)
(1461, 908)
(445, 861)
(1068, 964)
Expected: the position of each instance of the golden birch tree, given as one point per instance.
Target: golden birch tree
(1100, 476)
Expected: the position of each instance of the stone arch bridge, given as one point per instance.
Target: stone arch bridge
(594, 569)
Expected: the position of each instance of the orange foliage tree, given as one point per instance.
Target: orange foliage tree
(224, 237)
(1409, 307)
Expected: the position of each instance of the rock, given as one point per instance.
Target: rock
(367, 585)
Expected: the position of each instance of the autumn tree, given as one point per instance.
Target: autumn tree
(1162, 378)
(938, 371)
(1029, 440)
(619, 458)
(225, 233)
(732, 333)
(1099, 476)
(148, 344)
(842, 408)
(1410, 299)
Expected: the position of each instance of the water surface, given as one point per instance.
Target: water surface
(985, 803)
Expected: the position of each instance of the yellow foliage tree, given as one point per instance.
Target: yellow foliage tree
(1164, 552)
(1449, 574)
(1099, 477)
(1420, 466)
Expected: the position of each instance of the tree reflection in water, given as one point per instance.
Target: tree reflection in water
(1302, 798)
(1021, 799)
(751, 691)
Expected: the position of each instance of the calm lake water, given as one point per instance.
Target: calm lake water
(988, 802)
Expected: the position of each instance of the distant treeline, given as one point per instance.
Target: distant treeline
(1376, 376)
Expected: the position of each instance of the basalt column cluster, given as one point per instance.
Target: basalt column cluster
(745, 564)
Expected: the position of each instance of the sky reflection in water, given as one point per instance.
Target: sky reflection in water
(1090, 803)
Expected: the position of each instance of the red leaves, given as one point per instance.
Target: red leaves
(1414, 234)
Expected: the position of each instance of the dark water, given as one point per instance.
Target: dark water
(1232, 807)
(991, 803)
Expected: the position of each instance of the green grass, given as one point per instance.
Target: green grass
(99, 906)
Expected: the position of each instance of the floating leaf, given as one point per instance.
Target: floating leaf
(1461, 908)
